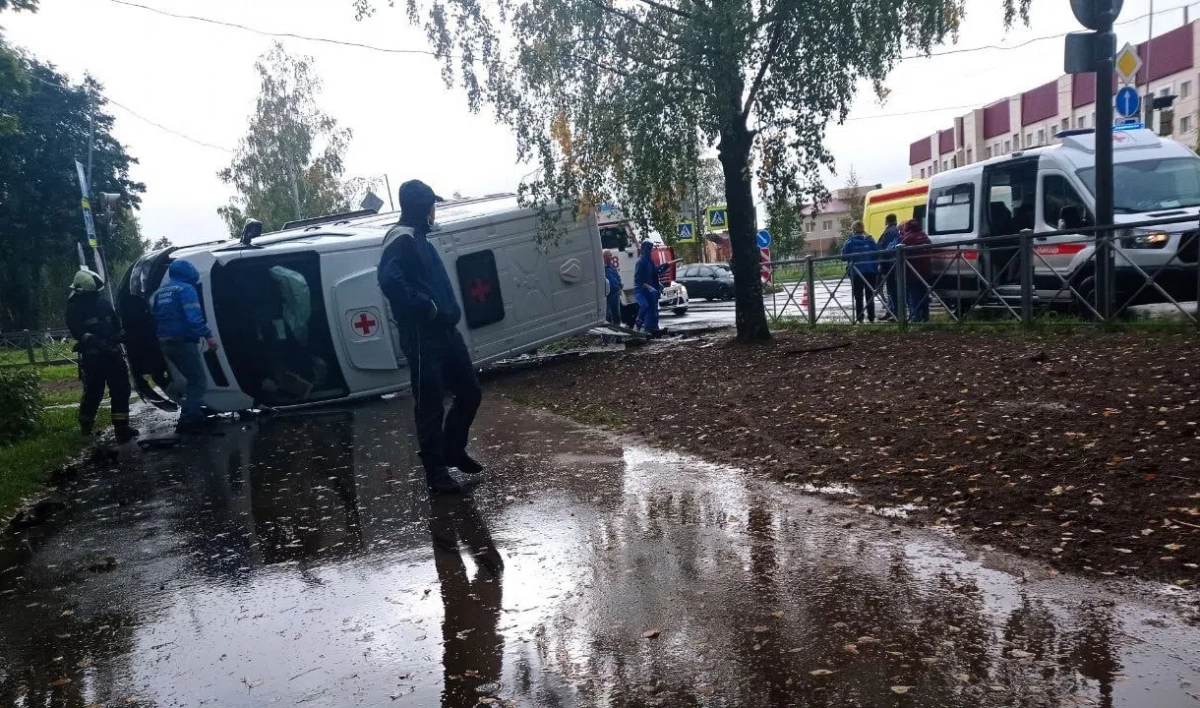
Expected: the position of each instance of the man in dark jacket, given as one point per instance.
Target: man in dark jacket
(919, 271)
(415, 282)
(859, 253)
(95, 327)
(647, 290)
(887, 262)
(180, 324)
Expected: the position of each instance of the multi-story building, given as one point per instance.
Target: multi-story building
(825, 229)
(1033, 118)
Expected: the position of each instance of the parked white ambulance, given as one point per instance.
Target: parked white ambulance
(302, 321)
(1051, 189)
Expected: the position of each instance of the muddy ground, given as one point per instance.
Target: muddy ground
(1080, 449)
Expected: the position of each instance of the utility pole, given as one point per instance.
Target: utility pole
(699, 220)
(1149, 104)
(1096, 52)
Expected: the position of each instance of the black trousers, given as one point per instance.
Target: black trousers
(104, 369)
(440, 363)
(863, 287)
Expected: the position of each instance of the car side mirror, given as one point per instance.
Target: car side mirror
(1071, 217)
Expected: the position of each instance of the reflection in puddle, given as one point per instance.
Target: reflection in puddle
(299, 560)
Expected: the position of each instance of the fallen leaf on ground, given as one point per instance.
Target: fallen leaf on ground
(901, 689)
(1173, 546)
(651, 633)
(61, 682)
(820, 672)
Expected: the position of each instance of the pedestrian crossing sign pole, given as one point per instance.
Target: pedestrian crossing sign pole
(717, 218)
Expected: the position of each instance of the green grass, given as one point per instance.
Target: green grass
(822, 270)
(996, 327)
(27, 466)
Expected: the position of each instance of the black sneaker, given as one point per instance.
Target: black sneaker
(464, 463)
(126, 434)
(440, 482)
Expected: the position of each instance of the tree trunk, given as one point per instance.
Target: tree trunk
(751, 314)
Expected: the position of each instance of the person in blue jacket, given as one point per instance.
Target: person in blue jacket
(647, 289)
(612, 277)
(860, 254)
(180, 326)
(414, 280)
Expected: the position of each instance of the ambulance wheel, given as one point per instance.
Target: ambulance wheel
(680, 311)
(1086, 288)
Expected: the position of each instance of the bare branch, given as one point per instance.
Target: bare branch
(667, 8)
(772, 49)
(635, 20)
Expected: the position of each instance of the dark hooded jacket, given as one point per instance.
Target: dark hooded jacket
(176, 305)
(414, 279)
(92, 322)
(912, 236)
(645, 272)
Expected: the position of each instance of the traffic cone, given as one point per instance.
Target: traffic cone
(804, 297)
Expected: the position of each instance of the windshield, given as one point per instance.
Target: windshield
(1151, 185)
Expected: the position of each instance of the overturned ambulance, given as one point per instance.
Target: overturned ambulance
(302, 321)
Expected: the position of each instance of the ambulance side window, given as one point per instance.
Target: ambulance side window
(952, 209)
(1057, 194)
(614, 237)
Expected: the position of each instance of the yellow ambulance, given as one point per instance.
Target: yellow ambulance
(907, 201)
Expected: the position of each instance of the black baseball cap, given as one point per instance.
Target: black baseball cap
(415, 194)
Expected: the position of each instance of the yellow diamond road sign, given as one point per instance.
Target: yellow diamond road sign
(1128, 63)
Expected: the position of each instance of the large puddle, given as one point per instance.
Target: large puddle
(298, 561)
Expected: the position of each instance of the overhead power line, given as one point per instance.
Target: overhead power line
(160, 126)
(268, 33)
(139, 116)
(1035, 40)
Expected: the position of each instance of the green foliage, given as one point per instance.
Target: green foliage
(787, 234)
(40, 222)
(21, 403)
(609, 98)
(289, 165)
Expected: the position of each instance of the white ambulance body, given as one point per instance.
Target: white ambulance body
(1047, 190)
(302, 321)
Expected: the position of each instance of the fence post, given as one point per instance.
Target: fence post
(811, 284)
(46, 340)
(901, 288)
(1025, 262)
(29, 347)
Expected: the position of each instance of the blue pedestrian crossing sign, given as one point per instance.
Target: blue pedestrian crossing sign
(764, 239)
(1128, 101)
(718, 218)
(687, 232)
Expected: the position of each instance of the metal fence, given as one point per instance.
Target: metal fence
(34, 348)
(1078, 276)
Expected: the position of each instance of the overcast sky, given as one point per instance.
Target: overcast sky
(198, 79)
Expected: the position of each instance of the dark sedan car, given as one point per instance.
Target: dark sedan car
(711, 281)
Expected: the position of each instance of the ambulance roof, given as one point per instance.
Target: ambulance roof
(1078, 151)
(364, 230)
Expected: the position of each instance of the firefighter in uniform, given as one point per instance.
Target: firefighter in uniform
(97, 331)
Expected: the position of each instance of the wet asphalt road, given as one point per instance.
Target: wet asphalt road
(299, 562)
